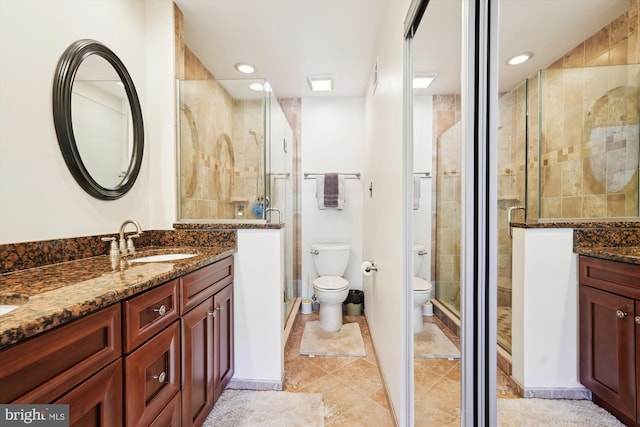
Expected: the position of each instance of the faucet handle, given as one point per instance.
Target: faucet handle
(131, 249)
(113, 247)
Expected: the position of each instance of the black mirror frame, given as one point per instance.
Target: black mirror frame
(62, 87)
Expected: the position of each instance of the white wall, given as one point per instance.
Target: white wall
(332, 141)
(422, 162)
(383, 213)
(545, 312)
(40, 198)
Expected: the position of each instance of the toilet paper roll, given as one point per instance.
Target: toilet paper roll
(366, 268)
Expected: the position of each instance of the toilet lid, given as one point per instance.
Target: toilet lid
(330, 283)
(421, 284)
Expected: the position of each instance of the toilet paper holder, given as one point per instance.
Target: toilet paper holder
(368, 267)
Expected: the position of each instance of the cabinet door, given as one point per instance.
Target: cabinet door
(197, 363)
(223, 369)
(607, 349)
(152, 376)
(97, 401)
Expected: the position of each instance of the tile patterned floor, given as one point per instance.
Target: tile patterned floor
(352, 387)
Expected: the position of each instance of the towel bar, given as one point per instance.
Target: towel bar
(346, 175)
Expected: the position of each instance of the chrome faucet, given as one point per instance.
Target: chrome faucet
(126, 246)
(268, 212)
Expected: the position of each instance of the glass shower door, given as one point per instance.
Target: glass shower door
(280, 191)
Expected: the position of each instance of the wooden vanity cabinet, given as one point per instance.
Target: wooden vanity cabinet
(161, 358)
(610, 335)
(207, 339)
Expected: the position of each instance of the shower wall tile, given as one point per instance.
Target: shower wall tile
(596, 48)
(594, 206)
(615, 205)
(571, 207)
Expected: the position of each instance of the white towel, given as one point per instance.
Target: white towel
(416, 193)
(320, 193)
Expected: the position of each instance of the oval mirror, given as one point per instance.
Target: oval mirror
(98, 119)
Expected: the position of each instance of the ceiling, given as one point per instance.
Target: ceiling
(287, 40)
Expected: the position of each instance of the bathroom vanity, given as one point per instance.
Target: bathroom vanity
(610, 330)
(141, 344)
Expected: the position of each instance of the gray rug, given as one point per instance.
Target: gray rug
(248, 408)
(432, 343)
(345, 342)
(548, 412)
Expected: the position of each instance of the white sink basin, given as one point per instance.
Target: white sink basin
(163, 257)
(4, 309)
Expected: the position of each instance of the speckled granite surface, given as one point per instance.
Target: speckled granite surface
(577, 224)
(614, 240)
(56, 281)
(617, 244)
(24, 255)
(55, 294)
(225, 226)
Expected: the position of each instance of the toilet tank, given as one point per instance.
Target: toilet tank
(417, 258)
(330, 259)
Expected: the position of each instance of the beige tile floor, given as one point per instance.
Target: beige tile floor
(352, 387)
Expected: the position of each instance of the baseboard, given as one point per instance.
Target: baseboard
(258, 385)
(291, 320)
(571, 393)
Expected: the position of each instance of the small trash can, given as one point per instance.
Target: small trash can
(354, 302)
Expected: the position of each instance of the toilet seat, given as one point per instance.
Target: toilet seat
(421, 285)
(330, 284)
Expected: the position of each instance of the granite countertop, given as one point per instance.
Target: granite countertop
(55, 294)
(630, 255)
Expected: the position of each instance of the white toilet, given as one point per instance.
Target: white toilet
(421, 288)
(331, 289)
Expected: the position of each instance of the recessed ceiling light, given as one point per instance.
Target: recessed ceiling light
(519, 59)
(259, 87)
(320, 83)
(422, 81)
(245, 68)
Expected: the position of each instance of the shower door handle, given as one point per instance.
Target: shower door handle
(509, 213)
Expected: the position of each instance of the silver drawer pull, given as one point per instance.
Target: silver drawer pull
(161, 378)
(620, 314)
(637, 319)
(161, 311)
(214, 313)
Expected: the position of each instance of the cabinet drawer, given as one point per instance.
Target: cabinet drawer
(170, 416)
(45, 367)
(612, 276)
(97, 401)
(152, 376)
(149, 313)
(203, 283)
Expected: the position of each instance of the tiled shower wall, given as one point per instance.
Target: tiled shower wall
(589, 145)
(221, 162)
(447, 198)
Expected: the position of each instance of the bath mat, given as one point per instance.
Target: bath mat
(552, 412)
(345, 342)
(248, 408)
(432, 343)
